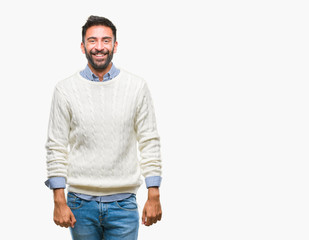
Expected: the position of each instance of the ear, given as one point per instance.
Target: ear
(82, 47)
(115, 47)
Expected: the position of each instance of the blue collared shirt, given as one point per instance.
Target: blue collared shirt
(59, 182)
(88, 74)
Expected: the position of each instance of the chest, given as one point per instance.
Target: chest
(99, 108)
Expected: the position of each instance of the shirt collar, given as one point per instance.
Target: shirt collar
(87, 73)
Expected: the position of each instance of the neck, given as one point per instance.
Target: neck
(100, 72)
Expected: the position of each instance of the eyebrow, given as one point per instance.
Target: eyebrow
(97, 38)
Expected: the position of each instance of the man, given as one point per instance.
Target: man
(97, 117)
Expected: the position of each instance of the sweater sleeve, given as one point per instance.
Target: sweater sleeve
(58, 136)
(147, 135)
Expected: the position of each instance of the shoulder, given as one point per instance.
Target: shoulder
(133, 78)
(141, 86)
(64, 85)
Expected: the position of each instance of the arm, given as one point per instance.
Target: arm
(149, 147)
(56, 158)
(58, 136)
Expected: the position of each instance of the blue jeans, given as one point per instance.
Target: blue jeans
(108, 221)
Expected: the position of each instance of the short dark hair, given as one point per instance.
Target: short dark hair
(98, 21)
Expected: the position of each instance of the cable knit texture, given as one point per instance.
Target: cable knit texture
(93, 131)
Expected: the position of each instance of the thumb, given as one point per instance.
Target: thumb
(144, 216)
(73, 220)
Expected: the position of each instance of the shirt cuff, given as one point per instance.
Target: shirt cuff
(154, 181)
(55, 182)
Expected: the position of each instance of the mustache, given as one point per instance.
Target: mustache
(101, 52)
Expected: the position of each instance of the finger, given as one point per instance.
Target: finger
(144, 216)
(61, 224)
(64, 224)
(150, 220)
(73, 220)
(154, 220)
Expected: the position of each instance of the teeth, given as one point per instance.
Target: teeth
(99, 55)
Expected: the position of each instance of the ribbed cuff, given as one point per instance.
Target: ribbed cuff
(55, 182)
(154, 181)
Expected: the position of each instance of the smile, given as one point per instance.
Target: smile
(99, 56)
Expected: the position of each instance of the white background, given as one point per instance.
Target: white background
(229, 81)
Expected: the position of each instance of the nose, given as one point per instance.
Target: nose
(99, 46)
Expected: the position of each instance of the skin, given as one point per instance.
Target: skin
(100, 39)
(152, 210)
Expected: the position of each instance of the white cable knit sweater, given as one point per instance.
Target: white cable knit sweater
(93, 132)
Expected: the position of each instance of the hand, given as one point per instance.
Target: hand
(63, 215)
(152, 210)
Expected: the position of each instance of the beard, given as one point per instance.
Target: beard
(99, 65)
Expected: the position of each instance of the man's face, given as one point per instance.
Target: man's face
(99, 46)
